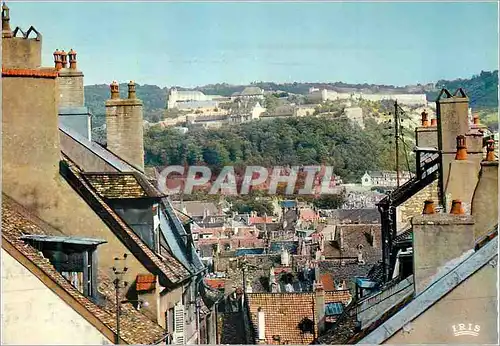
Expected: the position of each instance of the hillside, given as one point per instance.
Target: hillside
(292, 141)
(482, 90)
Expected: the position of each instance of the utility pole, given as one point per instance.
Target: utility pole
(396, 138)
(119, 283)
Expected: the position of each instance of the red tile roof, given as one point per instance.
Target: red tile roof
(216, 283)
(145, 282)
(135, 328)
(285, 311)
(34, 73)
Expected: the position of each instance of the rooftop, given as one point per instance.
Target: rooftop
(121, 185)
(135, 327)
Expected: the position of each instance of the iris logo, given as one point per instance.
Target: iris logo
(463, 329)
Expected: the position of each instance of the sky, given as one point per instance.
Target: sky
(196, 43)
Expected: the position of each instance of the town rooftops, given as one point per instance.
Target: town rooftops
(121, 185)
(286, 312)
(135, 328)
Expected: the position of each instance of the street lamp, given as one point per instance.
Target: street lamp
(119, 283)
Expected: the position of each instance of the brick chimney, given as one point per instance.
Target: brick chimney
(462, 179)
(319, 306)
(124, 126)
(64, 59)
(433, 122)
(426, 135)
(485, 198)
(438, 239)
(57, 60)
(453, 120)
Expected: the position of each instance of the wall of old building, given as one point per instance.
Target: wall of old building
(473, 302)
(19, 52)
(485, 199)
(33, 314)
(71, 88)
(167, 302)
(30, 168)
(415, 204)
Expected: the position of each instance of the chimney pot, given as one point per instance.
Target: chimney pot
(64, 59)
(72, 59)
(461, 148)
(6, 31)
(429, 207)
(476, 119)
(425, 119)
(434, 122)
(456, 207)
(57, 60)
(115, 93)
(490, 150)
(131, 90)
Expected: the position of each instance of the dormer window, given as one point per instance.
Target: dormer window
(74, 257)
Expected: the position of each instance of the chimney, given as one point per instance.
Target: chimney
(461, 148)
(462, 179)
(429, 208)
(319, 306)
(71, 84)
(425, 119)
(434, 122)
(64, 59)
(485, 200)
(57, 60)
(131, 90)
(453, 120)
(30, 145)
(438, 239)
(72, 59)
(261, 326)
(124, 126)
(6, 31)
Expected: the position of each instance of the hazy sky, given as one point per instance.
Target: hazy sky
(188, 44)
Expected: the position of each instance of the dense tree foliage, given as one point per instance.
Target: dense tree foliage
(294, 141)
(481, 89)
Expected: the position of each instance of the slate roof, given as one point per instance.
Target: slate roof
(285, 311)
(168, 267)
(356, 215)
(121, 185)
(290, 245)
(135, 328)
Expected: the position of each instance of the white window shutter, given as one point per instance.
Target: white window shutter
(179, 324)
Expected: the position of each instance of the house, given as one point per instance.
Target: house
(44, 288)
(437, 279)
(87, 191)
(384, 178)
(249, 93)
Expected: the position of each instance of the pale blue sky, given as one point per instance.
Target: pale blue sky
(188, 44)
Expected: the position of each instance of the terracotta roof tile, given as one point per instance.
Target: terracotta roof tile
(145, 282)
(284, 312)
(135, 328)
(35, 73)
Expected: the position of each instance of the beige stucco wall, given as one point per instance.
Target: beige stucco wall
(18, 52)
(30, 169)
(472, 302)
(71, 91)
(485, 200)
(34, 314)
